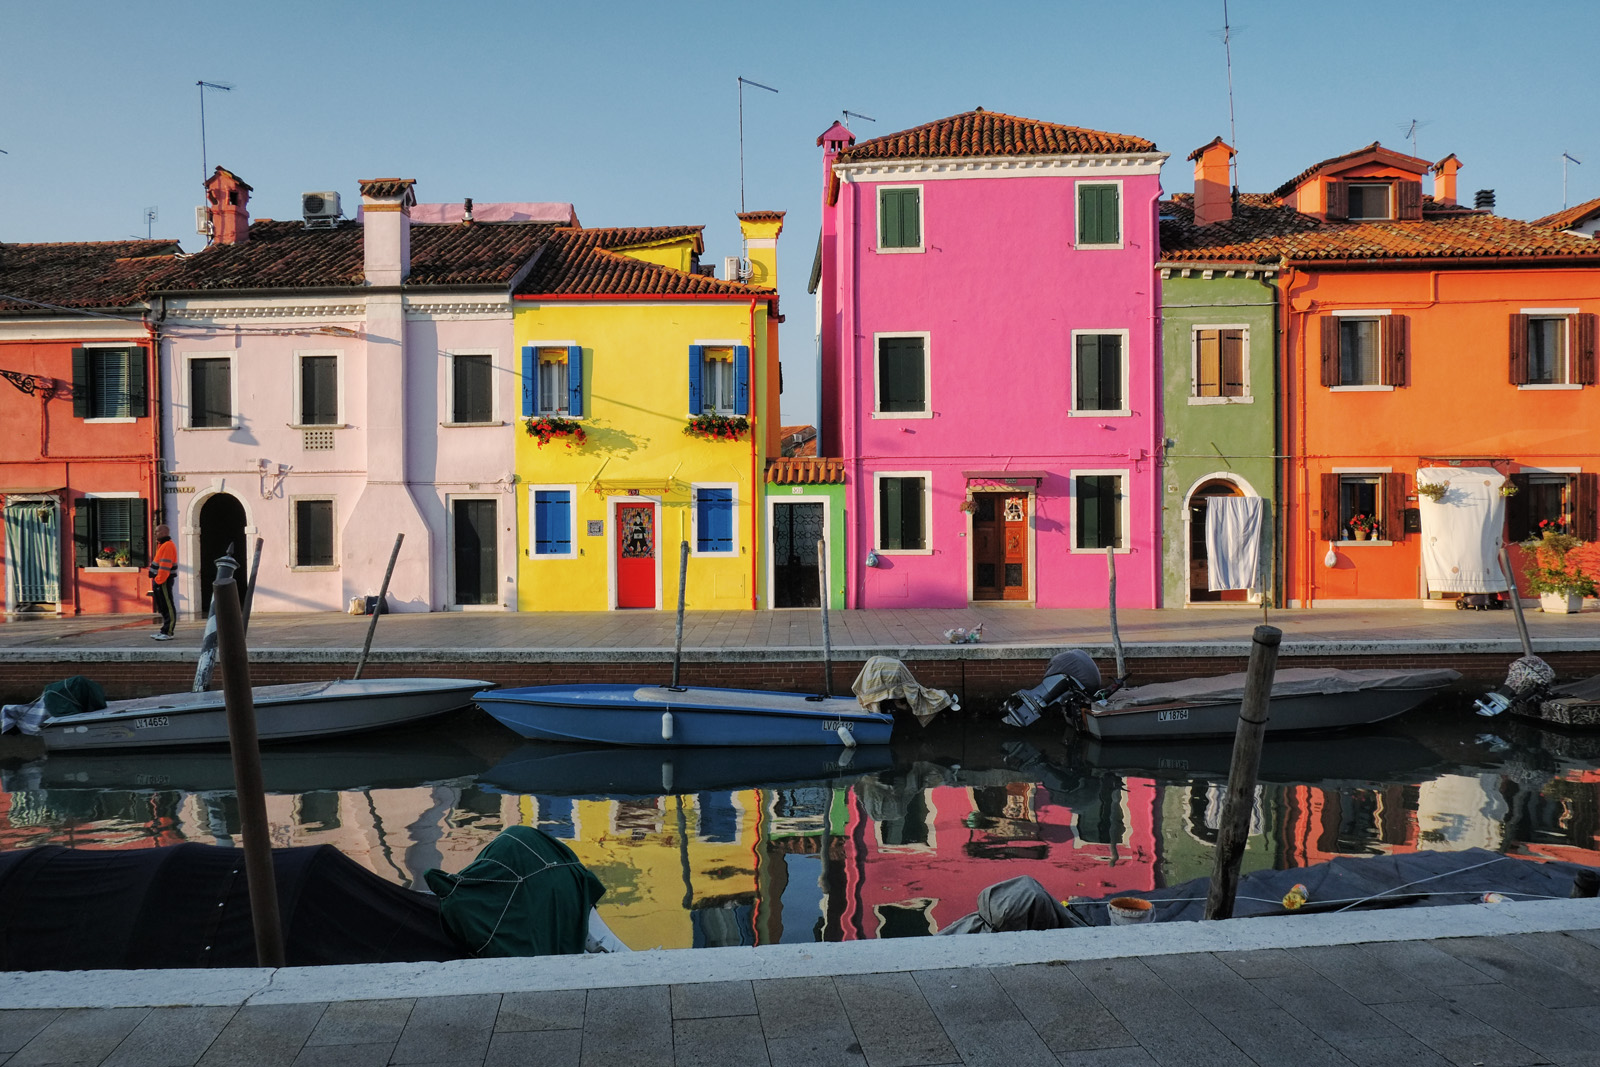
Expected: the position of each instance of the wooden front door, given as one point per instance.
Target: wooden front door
(1199, 567)
(636, 556)
(477, 559)
(1000, 546)
(796, 529)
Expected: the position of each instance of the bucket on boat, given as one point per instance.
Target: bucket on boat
(1130, 911)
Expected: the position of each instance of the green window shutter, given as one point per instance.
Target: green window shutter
(80, 386)
(139, 543)
(1110, 372)
(83, 531)
(1098, 222)
(890, 505)
(899, 218)
(901, 375)
(911, 217)
(138, 384)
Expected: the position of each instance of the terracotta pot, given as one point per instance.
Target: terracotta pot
(1361, 535)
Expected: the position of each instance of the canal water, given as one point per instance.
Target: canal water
(742, 847)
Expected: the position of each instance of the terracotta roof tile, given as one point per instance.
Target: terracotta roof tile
(88, 274)
(797, 470)
(990, 133)
(287, 255)
(762, 216)
(583, 263)
(386, 188)
(1374, 151)
(1254, 235)
(1572, 216)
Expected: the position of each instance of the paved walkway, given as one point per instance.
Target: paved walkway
(1005, 629)
(1295, 995)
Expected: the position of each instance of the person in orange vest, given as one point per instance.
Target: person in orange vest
(163, 568)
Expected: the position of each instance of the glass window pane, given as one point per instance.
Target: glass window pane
(473, 390)
(552, 387)
(313, 533)
(1358, 351)
(901, 385)
(108, 391)
(210, 393)
(1546, 351)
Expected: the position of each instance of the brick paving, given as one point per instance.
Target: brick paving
(1511, 1000)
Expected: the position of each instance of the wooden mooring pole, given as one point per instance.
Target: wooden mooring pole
(1516, 603)
(245, 747)
(378, 609)
(683, 582)
(827, 640)
(1234, 831)
(1111, 599)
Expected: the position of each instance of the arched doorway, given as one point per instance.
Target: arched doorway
(1199, 569)
(222, 522)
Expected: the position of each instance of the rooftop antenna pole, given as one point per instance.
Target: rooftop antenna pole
(150, 216)
(848, 113)
(1565, 159)
(205, 170)
(743, 81)
(1227, 52)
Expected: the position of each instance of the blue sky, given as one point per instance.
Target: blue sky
(630, 109)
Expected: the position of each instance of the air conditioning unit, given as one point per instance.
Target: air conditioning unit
(320, 209)
(202, 220)
(735, 269)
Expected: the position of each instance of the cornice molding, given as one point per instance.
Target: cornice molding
(1076, 166)
(267, 311)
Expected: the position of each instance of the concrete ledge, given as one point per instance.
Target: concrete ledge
(299, 985)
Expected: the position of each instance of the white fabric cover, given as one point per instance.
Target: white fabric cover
(1295, 681)
(1233, 542)
(1461, 530)
(884, 678)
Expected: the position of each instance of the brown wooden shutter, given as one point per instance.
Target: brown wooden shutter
(1330, 507)
(1330, 350)
(1396, 346)
(1232, 344)
(1519, 350)
(1585, 332)
(1392, 488)
(1408, 200)
(1338, 200)
(1208, 364)
(1518, 519)
(1585, 503)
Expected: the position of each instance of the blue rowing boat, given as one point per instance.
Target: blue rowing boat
(661, 715)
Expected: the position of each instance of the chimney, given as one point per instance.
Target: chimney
(834, 139)
(466, 209)
(386, 229)
(1444, 180)
(1484, 201)
(761, 230)
(1213, 201)
(229, 200)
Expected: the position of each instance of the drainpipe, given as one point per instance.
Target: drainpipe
(750, 403)
(1280, 521)
(157, 501)
(1297, 375)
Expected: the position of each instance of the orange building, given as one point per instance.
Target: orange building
(1417, 333)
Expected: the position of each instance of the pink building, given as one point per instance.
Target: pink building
(988, 312)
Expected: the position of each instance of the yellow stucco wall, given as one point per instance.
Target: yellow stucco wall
(636, 400)
(677, 254)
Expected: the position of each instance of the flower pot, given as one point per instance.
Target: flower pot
(99, 562)
(1362, 535)
(1130, 911)
(1561, 603)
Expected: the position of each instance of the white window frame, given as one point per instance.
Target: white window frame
(449, 390)
(732, 348)
(300, 354)
(124, 346)
(185, 384)
(294, 532)
(927, 376)
(1077, 214)
(1124, 516)
(1073, 411)
(1194, 364)
(533, 521)
(927, 514)
(694, 519)
(1389, 195)
(1566, 355)
(877, 220)
(118, 494)
(1364, 313)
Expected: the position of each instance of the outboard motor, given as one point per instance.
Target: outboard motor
(1070, 678)
(1527, 684)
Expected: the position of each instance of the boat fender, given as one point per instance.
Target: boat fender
(666, 776)
(666, 726)
(846, 736)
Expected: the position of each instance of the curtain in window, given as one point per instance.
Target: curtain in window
(33, 557)
(552, 387)
(1358, 351)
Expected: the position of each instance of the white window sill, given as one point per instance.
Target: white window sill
(1364, 544)
(536, 556)
(1123, 414)
(462, 425)
(900, 251)
(697, 554)
(119, 418)
(904, 551)
(207, 429)
(299, 569)
(1537, 386)
(1360, 388)
(110, 570)
(1099, 248)
(1206, 401)
(319, 426)
(1077, 551)
(564, 415)
(902, 414)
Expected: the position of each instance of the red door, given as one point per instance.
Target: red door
(636, 556)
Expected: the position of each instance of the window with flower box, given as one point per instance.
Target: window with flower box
(719, 379)
(552, 380)
(111, 531)
(1562, 501)
(109, 382)
(1363, 506)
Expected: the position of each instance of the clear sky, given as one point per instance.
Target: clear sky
(630, 109)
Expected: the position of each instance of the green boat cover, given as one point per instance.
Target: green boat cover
(73, 695)
(526, 894)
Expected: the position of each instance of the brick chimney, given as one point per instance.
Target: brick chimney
(386, 229)
(834, 139)
(229, 200)
(761, 230)
(1444, 180)
(1213, 196)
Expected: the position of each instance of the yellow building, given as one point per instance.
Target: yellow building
(625, 344)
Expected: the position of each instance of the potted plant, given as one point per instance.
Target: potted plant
(106, 558)
(1559, 582)
(547, 428)
(717, 427)
(1363, 526)
(1434, 491)
(123, 558)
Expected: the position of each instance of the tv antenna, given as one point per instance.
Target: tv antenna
(743, 81)
(1227, 55)
(848, 113)
(224, 87)
(1565, 159)
(1409, 131)
(151, 214)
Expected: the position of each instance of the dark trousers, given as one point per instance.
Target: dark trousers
(165, 605)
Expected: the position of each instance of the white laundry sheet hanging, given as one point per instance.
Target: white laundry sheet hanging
(1233, 542)
(1461, 530)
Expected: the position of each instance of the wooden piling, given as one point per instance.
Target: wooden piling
(378, 609)
(827, 640)
(1111, 599)
(683, 582)
(1516, 603)
(1234, 831)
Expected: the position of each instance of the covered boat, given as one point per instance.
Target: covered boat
(295, 711)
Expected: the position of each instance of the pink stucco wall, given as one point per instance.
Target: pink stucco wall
(999, 290)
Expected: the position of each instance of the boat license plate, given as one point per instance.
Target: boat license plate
(152, 721)
(833, 726)
(1174, 715)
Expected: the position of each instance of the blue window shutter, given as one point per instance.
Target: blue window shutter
(530, 381)
(552, 523)
(575, 381)
(714, 520)
(697, 358)
(741, 380)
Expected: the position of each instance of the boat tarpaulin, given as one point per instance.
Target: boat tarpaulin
(526, 894)
(884, 678)
(1233, 542)
(1019, 903)
(188, 906)
(1295, 681)
(1461, 529)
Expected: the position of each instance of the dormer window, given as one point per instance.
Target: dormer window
(1369, 200)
